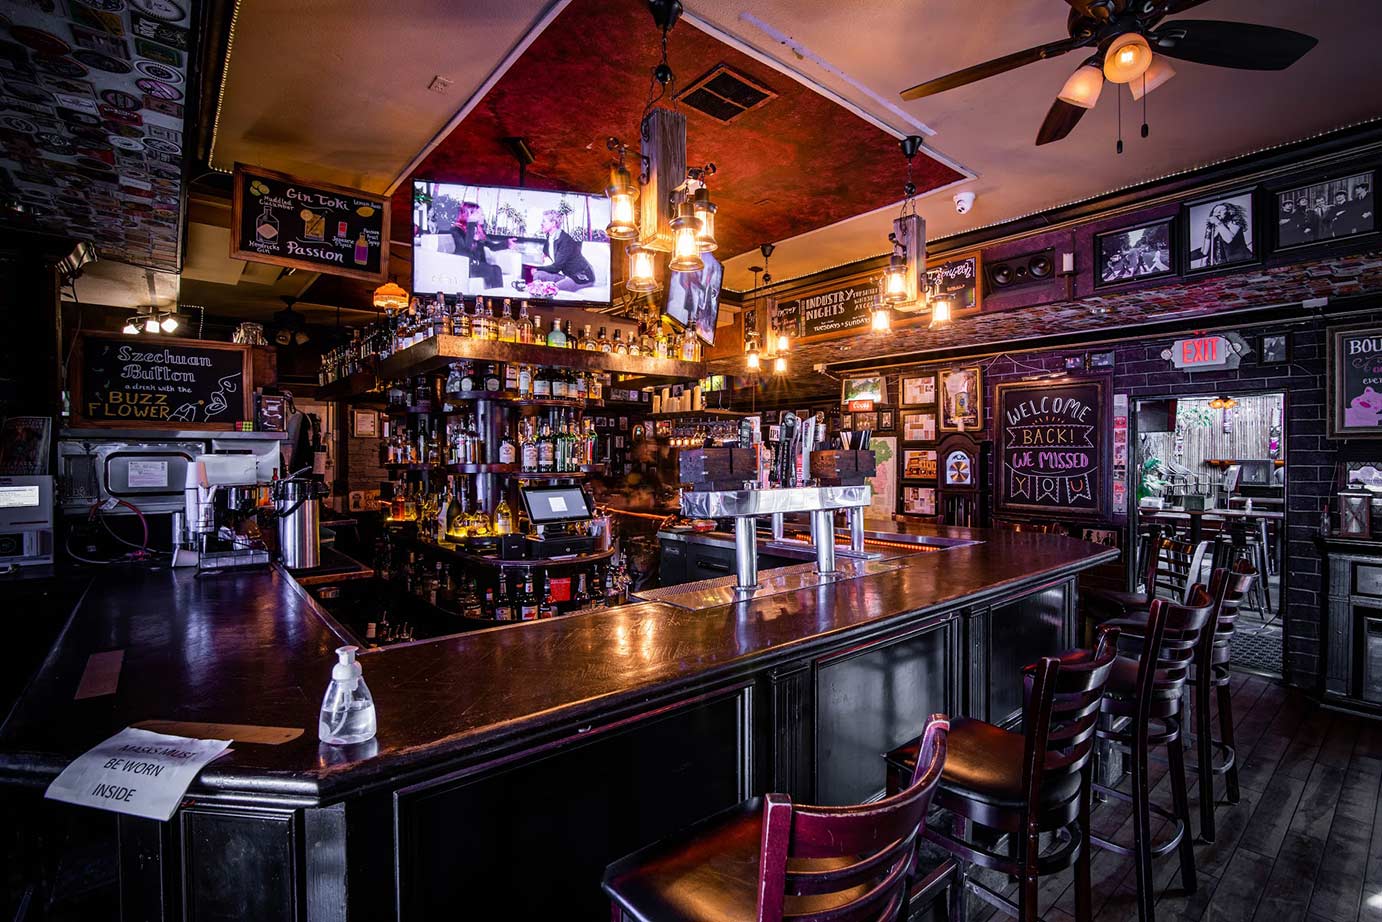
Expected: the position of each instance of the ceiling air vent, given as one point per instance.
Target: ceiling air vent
(724, 94)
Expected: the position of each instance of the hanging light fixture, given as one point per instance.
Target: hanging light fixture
(622, 192)
(1083, 87)
(169, 322)
(390, 297)
(882, 320)
(896, 288)
(1157, 73)
(940, 312)
(686, 248)
(754, 363)
(642, 276)
(895, 276)
(1222, 403)
(131, 327)
(703, 208)
(780, 365)
(1127, 58)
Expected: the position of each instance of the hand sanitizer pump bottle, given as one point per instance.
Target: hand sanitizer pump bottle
(347, 714)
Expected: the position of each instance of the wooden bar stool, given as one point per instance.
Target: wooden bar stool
(1141, 691)
(1023, 784)
(768, 858)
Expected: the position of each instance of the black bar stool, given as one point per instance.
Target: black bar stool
(1141, 691)
(768, 858)
(1023, 784)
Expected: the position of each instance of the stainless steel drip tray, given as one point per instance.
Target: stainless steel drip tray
(712, 593)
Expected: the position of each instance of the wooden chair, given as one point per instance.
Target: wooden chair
(1022, 784)
(1169, 569)
(768, 859)
(1141, 691)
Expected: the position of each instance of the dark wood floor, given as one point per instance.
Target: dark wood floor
(1304, 842)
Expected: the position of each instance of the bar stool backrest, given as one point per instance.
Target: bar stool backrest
(1178, 565)
(863, 854)
(1229, 589)
(1062, 713)
(1168, 647)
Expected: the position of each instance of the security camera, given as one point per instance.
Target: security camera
(964, 201)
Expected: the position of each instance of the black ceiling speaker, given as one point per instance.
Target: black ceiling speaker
(1016, 271)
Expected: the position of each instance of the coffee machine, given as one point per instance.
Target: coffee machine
(218, 528)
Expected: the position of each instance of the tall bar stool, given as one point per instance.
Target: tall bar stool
(1141, 691)
(1023, 784)
(1170, 567)
(769, 858)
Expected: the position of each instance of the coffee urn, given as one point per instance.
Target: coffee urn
(299, 522)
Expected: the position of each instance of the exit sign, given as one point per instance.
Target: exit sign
(1203, 352)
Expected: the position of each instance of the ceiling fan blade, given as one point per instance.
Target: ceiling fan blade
(991, 68)
(1231, 44)
(1061, 119)
(1180, 6)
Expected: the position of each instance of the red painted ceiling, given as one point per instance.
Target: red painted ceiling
(797, 163)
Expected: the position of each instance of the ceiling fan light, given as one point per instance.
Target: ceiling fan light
(1157, 73)
(1082, 88)
(1127, 58)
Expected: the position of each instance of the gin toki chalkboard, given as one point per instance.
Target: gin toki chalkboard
(1052, 448)
(286, 221)
(958, 280)
(158, 382)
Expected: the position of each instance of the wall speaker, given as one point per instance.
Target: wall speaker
(1016, 271)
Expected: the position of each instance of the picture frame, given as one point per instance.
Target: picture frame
(864, 421)
(919, 500)
(887, 420)
(1274, 349)
(846, 422)
(1221, 232)
(1100, 361)
(1353, 358)
(364, 424)
(1323, 209)
(919, 427)
(919, 464)
(1139, 253)
(918, 390)
(869, 387)
(960, 396)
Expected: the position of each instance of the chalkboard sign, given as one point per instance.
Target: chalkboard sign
(157, 382)
(838, 311)
(280, 219)
(957, 280)
(1052, 448)
(1355, 383)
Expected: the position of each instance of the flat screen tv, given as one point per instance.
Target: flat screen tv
(496, 241)
(693, 298)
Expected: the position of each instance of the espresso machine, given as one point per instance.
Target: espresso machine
(224, 499)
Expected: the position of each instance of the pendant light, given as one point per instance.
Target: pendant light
(753, 362)
(686, 248)
(642, 276)
(622, 192)
(1157, 73)
(895, 276)
(705, 213)
(390, 297)
(778, 340)
(780, 365)
(150, 322)
(1083, 86)
(882, 320)
(896, 288)
(940, 312)
(1127, 58)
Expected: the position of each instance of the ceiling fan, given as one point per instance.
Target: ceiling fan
(1130, 45)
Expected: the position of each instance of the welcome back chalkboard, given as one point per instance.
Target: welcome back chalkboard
(1355, 383)
(160, 382)
(286, 221)
(1052, 448)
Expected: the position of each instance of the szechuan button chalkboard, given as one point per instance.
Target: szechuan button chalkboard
(160, 382)
(1052, 448)
(286, 221)
(1355, 383)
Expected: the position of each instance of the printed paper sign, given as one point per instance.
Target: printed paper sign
(148, 473)
(135, 772)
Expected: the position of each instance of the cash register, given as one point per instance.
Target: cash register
(559, 515)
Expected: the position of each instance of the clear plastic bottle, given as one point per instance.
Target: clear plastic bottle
(347, 714)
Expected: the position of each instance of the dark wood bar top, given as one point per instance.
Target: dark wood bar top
(253, 648)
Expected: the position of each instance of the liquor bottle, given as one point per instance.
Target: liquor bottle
(581, 599)
(555, 337)
(478, 453)
(444, 513)
(479, 325)
(467, 377)
(472, 607)
(620, 347)
(542, 384)
(596, 386)
(688, 345)
(507, 451)
(646, 343)
(558, 377)
(503, 605)
(503, 518)
(525, 324)
(527, 448)
(546, 450)
(508, 330)
(525, 381)
(582, 386)
(604, 343)
(588, 342)
(436, 318)
(510, 376)
(546, 608)
(453, 378)
(455, 518)
(538, 337)
(460, 324)
(527, 600)
(634, 347)
(492, 379)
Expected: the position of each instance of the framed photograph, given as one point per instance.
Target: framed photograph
(864, 421)
(1135, 254)
(874, 387)
(1220, 232)
(887, 421)
(24, 444)
(1353, 362)
(1273, 349)
(919, 464)
(918, 427)
(1325, 210)
(919, 500)
(961, 396)
(364, 424)
(624, 424)
(918, 390)
(664, 427)
(846, 422)
(1100, 361)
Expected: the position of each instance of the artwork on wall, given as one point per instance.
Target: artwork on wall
(873, 387)
(919, 500)
(919, 464)
(1324, 210)
(884, 480)
(918, 390)
(918, 427)
(364, 424)
(961, 397)
(1274, 349)
(1135, 254)
(864, 421)
(887, 421)
(1220, 232)
(1354, 374)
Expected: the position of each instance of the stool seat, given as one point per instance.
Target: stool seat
(984, 762)
(709, 873)
(1115, 601)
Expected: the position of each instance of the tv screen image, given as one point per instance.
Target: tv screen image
(693, 298)
(495, 241)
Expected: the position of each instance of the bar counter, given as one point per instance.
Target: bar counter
(623, 723)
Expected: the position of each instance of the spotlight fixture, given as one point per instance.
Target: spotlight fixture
(169, 323)
(131, 327)
(150, 323)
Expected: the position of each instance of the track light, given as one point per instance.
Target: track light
(169, 323)
(131, 328)
(150, 323)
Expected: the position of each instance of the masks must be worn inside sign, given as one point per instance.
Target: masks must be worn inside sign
(135, 772)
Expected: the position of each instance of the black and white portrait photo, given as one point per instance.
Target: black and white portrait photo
(1136, 253)
(1219, 232)
(1328, 210)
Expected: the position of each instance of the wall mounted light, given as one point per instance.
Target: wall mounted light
(882, 320)
(940, 312)
(704, 208)
(686, 248)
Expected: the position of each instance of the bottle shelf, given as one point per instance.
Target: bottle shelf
(503, 398)
(708, 413)
(509, 470)
(437, 352)
(524, 563)
(356, 385)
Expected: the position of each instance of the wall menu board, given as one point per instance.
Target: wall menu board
(1355, 382)
(160, 382)
(840, 310)
(280, 219)
(1052, 448)
(958, 280)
